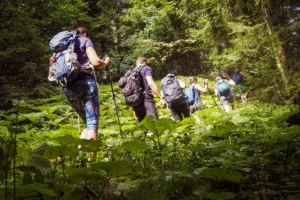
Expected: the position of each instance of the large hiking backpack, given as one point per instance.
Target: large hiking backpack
(67, 67)
(172, 91)
(238, 77)
(222, 87)
(192, 96)
(130, 85)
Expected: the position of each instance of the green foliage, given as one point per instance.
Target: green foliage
(135, 146)
(185, 37)
(220, 174)
(210, 155)
(221, 196)
(251, 153)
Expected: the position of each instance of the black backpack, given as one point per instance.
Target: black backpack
(131, 87)
(171, 89)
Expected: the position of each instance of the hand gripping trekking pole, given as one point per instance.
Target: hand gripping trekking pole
(114, 98)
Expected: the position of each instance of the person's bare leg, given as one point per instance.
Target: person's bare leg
(83, 134)
(89, 134)
(242, 97)
(245, 95)
(226, 108)
(92, 134)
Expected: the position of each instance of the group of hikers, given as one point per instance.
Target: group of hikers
(182, 103)
(72, 64)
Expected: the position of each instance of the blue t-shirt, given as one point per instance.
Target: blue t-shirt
(81, 44)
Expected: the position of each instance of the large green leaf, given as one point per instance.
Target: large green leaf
(25, 109)
(135, 146)
(40, 188)
(221, 196)
(67, 189)
(223, 128)
(60, 151)
(219, 174)
(158, 126)
(66, 140)
(31, 175)
(238, 119)
(148, 123)
(39, 162)
(129, 127)
(116, 168)
(14, 130)
(90, 174)
(164, 124)
(41, 149)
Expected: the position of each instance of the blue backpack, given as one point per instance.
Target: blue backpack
(222, 87)
(237, 77)
(192, 96)
(67, 66)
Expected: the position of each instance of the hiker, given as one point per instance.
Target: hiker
(82, 93)
(193, 93)
(177, 101)
(222, 91)
(147, 105)
(238, 78)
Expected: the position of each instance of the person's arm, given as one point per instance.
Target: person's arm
(95, 60)
(231, 82)
(181, 83)
(163, 100)
(202, 89)
(162, 95)
(216, 92)
(153, 86)
(155, 89)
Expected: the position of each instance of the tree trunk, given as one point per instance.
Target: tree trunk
(278, 50)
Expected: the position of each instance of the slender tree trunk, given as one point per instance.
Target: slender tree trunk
(278, 50)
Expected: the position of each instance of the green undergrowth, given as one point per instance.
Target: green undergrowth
(250, 153)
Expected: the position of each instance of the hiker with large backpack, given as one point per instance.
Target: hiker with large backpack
(193, 93)
(74, 59)
(222, 91)
(136, 86)
(238, 78)
(177, 101)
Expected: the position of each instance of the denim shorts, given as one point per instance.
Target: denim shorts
(82, 95)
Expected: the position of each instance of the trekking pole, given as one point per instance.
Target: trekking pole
(114, 98)
(213, 99)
